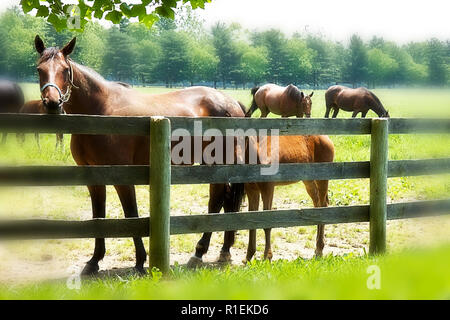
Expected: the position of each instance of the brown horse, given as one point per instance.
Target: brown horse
(353, 100)
(290, 149)
(37, 106)
(11, 99)
(79, 90)
(285, 101)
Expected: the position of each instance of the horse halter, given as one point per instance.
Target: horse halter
(63, 97)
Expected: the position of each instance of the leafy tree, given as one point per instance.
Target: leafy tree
(277, 54)
(436, 62)
(380, 66)
(254, 64)
(119, 56)
(227, 53)
(203, 62)
(173, 65)
(357, 64)
(58, 12)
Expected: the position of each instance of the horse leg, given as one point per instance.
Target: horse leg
(327, 113)
(318, 191)
(127, 196)
(363, 113)
(267, 198)
(98, 199)
(253, 205)
(335, 113)
(20, 137)
(354, 114)
(215, 204)
(59, 142)
(36, 137)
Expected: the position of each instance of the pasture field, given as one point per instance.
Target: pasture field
(293, 274)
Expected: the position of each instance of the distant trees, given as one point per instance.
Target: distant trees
(357, 61)
(182, 52)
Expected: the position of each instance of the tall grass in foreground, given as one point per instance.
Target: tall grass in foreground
(407, 275)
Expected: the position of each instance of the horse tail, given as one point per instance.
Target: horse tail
(254, 106)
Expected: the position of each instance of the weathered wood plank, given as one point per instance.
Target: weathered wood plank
(286, 126)
(95, 124)
(378, 185)
(75, 124)
(415, 126)
(74, 175)
(139, 175)
(58, 229)
(139, 227)
(160, 177)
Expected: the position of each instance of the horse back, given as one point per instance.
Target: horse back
(11, 97)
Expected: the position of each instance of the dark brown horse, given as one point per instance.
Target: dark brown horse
(290, 149)
(37, 106)
(353, 100)
(79, 90)
(11, 99)
(284, 101)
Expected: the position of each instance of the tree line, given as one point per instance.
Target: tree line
(183, 52)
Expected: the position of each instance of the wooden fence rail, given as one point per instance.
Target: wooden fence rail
(162, 174)
(199, 223)
(140, 175)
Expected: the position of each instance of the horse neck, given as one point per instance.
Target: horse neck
(378, 108)
(88, 93)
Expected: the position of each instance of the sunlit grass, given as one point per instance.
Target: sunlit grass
(407, 275)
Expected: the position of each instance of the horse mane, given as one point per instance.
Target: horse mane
(293, 93)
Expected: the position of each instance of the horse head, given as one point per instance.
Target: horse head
(55, 74)
(307, 104)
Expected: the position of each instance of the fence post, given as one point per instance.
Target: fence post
(378, 185)
(160, 179)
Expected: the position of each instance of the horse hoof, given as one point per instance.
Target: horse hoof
(194, 262)
(268, 256)
(140, 270)
(225, 257)
(318, 254)
(90, 269)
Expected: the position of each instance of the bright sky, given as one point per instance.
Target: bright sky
(398, 20)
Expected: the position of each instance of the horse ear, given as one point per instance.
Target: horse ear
(302, 94)
(312, 93)
(68, 48)
(39, 44)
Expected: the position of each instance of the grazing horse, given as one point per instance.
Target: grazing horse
(79, 90)
(37, 106)
(11, 99)
(354, 100)
(284, 101)
(291, 149)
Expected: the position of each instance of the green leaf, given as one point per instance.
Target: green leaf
(149, 20)
(126, 10)
(166, 12)
(114, 16)
(138, 10)
(42, 12)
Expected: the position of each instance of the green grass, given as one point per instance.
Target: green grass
(410, 275)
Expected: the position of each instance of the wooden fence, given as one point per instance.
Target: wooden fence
(162, 174)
